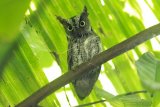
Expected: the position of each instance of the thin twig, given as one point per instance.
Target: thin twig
(67, 96)
(88, 104)
(121, 95)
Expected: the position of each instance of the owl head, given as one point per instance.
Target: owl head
(76, 26)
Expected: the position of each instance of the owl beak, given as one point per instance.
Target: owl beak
(76, 27)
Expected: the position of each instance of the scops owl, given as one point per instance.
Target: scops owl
(83, 44)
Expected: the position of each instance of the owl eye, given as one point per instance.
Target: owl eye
(70, 28)
(82, 23)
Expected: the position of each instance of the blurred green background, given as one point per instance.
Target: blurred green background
(33, 50)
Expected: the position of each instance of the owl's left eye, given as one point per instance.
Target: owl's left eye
(82, 23)
(70, 28)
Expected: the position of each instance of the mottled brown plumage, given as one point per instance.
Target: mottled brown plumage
(83, 44)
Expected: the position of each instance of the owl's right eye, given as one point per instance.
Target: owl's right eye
(70, 28)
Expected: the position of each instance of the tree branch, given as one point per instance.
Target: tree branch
(97, 60)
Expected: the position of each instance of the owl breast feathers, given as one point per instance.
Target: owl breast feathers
(83, 44)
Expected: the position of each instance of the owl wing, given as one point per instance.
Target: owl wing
(84, 84)
(94, 46)
(69, 55)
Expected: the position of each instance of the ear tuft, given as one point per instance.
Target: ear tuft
(61, 19)
(85, 9)
(84, 14)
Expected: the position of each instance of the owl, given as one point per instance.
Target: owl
(83, 44)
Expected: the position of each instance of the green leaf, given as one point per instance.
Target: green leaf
(149, 71)
(12, 13)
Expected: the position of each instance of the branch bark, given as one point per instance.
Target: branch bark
(97, 60)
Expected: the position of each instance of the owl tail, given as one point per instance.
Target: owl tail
(83, 88)
(84, 85)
